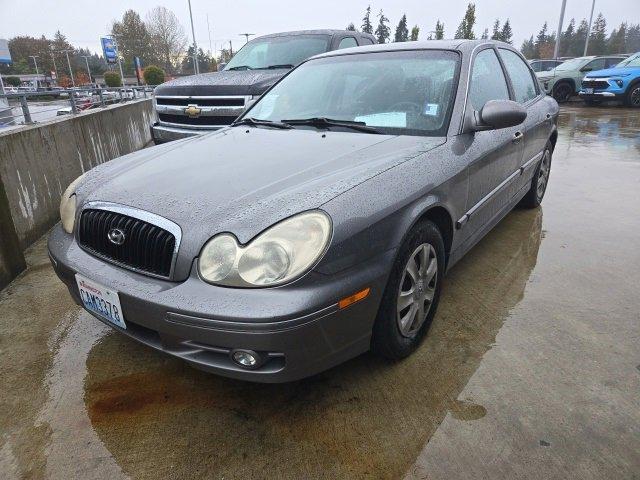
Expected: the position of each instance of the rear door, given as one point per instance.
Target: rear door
(537, 126)
(496, 154)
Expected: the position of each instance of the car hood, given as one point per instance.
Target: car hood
(244, 82)
(243, 180)
(612, 72)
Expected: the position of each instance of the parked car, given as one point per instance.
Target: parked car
(563, 82)
(621, 82)
(544, 65)
(321, 223)
(202, 103)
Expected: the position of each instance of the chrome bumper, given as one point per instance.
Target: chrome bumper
(162, 134)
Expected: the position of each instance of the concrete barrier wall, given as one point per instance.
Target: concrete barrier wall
(38, 162)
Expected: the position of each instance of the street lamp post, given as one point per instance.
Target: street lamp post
(36, 65)
(586, 43)
(73, 80)
(55, 68)
(556, 50)
(196, 67)
(86, 57)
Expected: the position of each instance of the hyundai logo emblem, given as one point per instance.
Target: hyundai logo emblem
(116, 236)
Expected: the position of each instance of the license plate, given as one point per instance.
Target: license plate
(100, 300)
(588, 91)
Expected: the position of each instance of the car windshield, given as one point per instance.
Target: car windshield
(278, 52)
(632, 61)
(403, 92)
(573, 64)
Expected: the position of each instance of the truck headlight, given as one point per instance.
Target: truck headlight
(68, 206)
(279, 255)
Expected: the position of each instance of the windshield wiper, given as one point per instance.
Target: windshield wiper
(254, 122)
(284, 65)
(322, 122)
(240, 67)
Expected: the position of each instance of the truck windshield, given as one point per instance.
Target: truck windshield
(401, 93)
(278, 52)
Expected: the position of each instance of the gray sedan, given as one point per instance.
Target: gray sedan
(319, 225)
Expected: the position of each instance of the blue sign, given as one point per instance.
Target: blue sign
(5, 56)
(109, 50)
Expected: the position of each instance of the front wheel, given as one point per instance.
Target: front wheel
(562, 92)
(633, 96)
(412, 293)
(540, 180)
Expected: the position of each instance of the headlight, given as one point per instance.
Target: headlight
(278, 255)
(68, 206)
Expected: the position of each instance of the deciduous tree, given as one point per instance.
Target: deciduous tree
(168, 39)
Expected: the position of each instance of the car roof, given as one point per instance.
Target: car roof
(316, 32)
(457, 44)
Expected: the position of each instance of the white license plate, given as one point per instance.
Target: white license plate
(588, 91)
(100, 300)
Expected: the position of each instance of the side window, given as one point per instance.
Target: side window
(521, 79)
(597, 64)
(365, 41)
(347, 42)
(612, 62)
(487, 80)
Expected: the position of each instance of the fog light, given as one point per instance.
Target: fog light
(245, 358)
(620, 83)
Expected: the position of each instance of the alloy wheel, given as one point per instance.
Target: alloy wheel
(543, 175)
(417, 289)
(635, 97)
(562, 93)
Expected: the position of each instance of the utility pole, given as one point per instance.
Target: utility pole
(36, 64)
(73, 81)
(86, 57)
(230, 49)
(196, 67)
(246, 35)
(209, 29)
(55, 68)
(586, 43)
(556, 50)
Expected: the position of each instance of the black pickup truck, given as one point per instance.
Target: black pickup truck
(201, 103)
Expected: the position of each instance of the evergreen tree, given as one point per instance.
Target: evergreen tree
(383, 32)
(496, 30)
(351, 27)
(598, 36)
(415, 33)
(506, 34)
(402, 32)
(366, 21)
(439, 30)
(632, 40)
(580, 38)
(133, 40)
(485, 34)
(617, 40)
(528, 48)
(465, 29)
(568, 39)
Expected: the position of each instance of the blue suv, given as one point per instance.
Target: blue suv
(621, 82)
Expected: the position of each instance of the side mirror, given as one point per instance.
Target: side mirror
(496, 114)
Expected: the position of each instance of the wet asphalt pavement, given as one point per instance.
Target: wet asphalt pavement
(531, 368)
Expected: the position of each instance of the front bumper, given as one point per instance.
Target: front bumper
(164, 134)
(602, 95)
(298, 328)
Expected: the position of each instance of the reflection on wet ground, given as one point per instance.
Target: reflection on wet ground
(529, 370)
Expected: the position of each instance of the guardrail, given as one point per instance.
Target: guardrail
(22, 109)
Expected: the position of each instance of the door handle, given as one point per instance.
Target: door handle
(548, 115)
(517, 137)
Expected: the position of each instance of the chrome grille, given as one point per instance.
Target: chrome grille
(199, 112)
(146, 247)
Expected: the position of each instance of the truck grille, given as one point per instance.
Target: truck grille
(146, 247)
(207, 113)
(597, 84)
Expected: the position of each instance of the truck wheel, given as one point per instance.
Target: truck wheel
(562, 92)
(411, 296)
(633, 96)
(540, 180)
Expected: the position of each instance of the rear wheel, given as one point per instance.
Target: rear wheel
(412, 293)
(540, 180)
(562, 92)
(633, 96)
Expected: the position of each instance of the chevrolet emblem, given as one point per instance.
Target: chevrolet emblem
(192, 111)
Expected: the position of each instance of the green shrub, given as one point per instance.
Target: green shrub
(112, 79)
(12, 81)
(153, 75)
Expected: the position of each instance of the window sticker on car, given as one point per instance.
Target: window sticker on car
(386, 119)
(431, 109)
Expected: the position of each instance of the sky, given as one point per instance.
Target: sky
(84, 22)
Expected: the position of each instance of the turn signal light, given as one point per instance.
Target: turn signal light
(356, 297)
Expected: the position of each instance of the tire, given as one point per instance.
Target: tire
(562, 92)
(632, 98)
(533, 198)
(392, 337)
